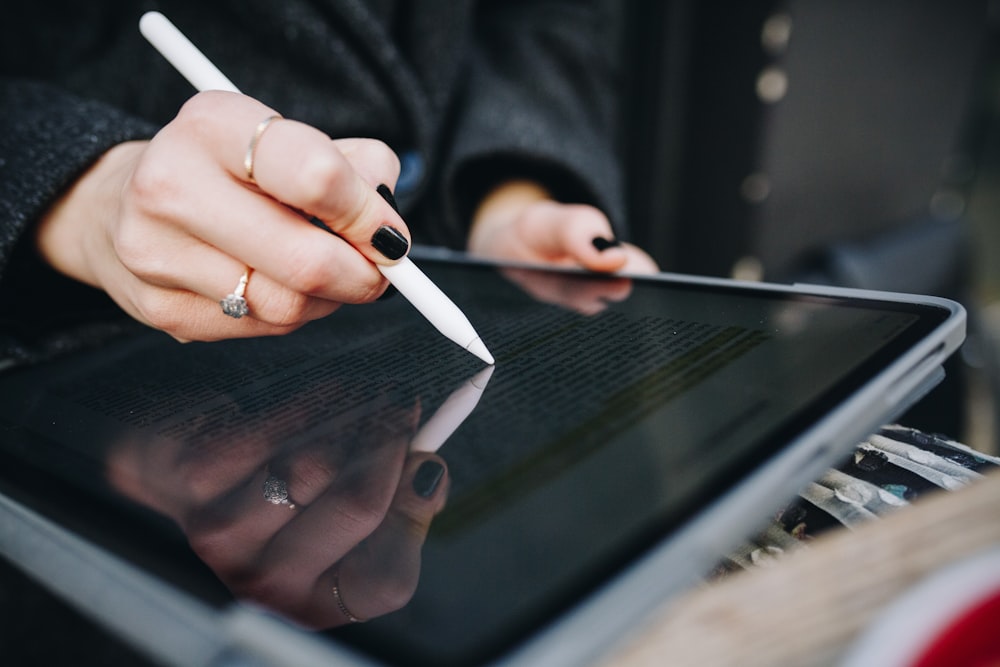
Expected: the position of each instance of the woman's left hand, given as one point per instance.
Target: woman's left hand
(519, 221)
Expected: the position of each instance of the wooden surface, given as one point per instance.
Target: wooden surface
(808, 606)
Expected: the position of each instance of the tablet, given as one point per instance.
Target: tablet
(363, 490)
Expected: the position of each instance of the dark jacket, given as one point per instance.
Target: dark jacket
(466, 92)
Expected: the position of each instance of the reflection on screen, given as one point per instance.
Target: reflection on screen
(290, 468)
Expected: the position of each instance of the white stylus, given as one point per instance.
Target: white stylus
(452, 413)
(411, 282)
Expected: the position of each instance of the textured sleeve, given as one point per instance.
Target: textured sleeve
(49, 138)
(540, 102)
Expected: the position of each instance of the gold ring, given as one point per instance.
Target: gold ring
(252, 147)
(235, 304)
(340, 601)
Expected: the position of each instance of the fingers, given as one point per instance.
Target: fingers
(374, 560)
(253, 231)
(373, 161)
(274, 534)
(381, 575)
(189, 316)
(304, 169)
(638, 261)
(181, 289)
(549, 232)
(192, 222)
(584, 236)
(574, 234)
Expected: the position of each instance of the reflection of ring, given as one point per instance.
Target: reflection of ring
(235, 305)
(276, 492)
(252, 147)
(340, 601)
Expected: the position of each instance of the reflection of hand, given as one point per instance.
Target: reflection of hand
(167, 227)
(358, 508)
(381, 574)
(519, 221)
(363, 532)
(587, 297)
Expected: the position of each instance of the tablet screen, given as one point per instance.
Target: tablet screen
(365, 468)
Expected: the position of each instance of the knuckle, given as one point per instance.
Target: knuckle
(366, 292)
(319, 176)
(161, 313)
(531, 219)
(201, 109)
(211, 540)
(310, 475)
(359, 222)
(130, 244)
(287, 310)
(312, 277)
(308, 277)
(132, 247)
(391, 593)
(590, 216)
(152, 185)
(362, 292)
(377, 154)
(265, 585)
(375, 291)
(359, 516)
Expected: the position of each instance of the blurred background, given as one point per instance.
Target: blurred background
(853, 143)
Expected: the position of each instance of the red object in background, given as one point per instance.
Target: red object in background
(971, 640)
(951, 618)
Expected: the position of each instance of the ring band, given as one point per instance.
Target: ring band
(235, 305)
(340, 601)
(252, 147)
(276, 492)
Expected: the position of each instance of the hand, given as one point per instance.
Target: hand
(167, 227)
(519, 221)
(359, 501)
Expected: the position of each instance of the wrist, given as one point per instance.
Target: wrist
(64, 232)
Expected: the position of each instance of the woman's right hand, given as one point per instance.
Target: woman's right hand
(167, 227)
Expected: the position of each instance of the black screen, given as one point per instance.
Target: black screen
(275, 470)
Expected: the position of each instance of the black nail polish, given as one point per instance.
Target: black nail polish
(316, 222)
(387, 240)
(603, 244)
(387, 195)
(427, 478)
(390, 242)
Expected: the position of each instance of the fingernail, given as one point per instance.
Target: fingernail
(603, 244)
(316, 222)
(390, 242)
(427, 478)
(387, 195)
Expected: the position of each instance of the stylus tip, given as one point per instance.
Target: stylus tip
(478, 348)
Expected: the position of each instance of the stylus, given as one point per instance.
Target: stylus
(411, 282)
(452, 413)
